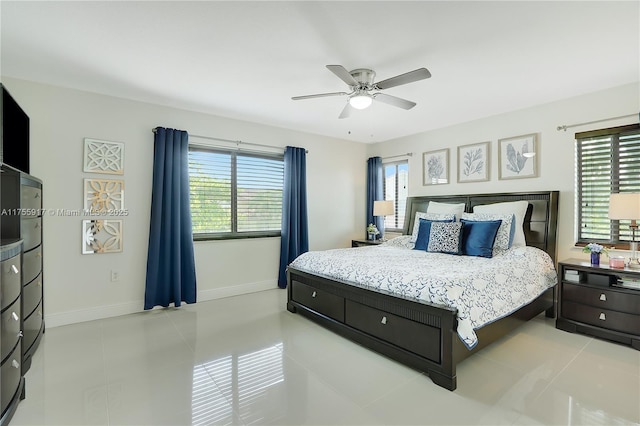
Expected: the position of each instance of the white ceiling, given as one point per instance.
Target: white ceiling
(245, 60)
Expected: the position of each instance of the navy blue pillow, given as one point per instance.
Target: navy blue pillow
(422, 240)
(478, 237)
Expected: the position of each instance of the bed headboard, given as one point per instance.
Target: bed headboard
(540, 222)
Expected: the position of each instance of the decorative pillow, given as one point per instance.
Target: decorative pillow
(517, 208)
(446, 208)
(422, 241)
(445, 237)
(504, 237)
(403, 241)
(431, 217)
(478, 237)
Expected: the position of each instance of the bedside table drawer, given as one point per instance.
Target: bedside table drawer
(602, 299)
(612, 320)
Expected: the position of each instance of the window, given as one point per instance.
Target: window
(235, 195)
(396, 188)
(608, 161)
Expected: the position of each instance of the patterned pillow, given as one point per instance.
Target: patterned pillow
(506, 230)
(445, 237)
(428, 216)
(403, 241)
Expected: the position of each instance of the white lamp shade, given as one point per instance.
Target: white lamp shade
(360, 101)
(383, 208)
(624, 206)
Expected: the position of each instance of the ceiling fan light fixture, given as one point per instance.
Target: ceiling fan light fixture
(360, 101)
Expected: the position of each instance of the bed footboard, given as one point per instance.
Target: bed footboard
(419, 335)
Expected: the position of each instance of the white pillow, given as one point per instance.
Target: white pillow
(504, 237)
(446, 208)
(428, 216)
(517, 208)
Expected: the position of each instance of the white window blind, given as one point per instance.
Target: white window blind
(235, 195)
(608, 161)
(396, 188)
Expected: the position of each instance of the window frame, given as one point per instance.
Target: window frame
(617, 239)
(234, 234)
(397, 217)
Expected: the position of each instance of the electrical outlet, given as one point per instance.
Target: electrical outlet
(115, 276)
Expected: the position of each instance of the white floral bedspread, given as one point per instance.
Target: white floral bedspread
(482, 290)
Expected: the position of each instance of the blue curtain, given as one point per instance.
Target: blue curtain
(171, 271)
(295, 229)
(374, 190)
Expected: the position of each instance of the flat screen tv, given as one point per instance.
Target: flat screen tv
(14, 133)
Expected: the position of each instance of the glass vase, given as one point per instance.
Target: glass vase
(595, 258)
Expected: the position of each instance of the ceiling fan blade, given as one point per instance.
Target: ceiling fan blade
(344, 75)
(409, 77)
(393, 100)
(319, 95)
(346, 112)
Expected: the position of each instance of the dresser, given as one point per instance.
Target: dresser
(599, 301)
(32, 280)
(11, 336)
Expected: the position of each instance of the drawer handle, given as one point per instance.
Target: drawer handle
(383, 320)
(313, 294)
(15, 364)
(603, 297)
(602, 316)
(15, 269)
(15, 316)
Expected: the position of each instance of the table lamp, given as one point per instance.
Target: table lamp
(383, 208)
(626, 206)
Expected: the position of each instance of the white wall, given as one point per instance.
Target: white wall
(556, 149)
(78, 287)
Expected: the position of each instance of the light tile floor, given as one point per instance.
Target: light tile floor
(247, 360)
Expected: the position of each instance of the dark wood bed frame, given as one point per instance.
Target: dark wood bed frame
(419, 334)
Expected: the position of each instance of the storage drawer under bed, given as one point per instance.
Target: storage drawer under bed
(320, 301)
(411, 335)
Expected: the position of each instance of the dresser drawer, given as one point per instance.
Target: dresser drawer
(318, 300)
(31, 198)
(603, 299)
(10, 372)
(396, 330)
(611, 320)
(31, 264)
(10, 329)
(32, 295)
(10, 282)
(32, 326)
(31, 232)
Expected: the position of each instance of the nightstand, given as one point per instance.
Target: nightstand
(362, 243)
(599, 301)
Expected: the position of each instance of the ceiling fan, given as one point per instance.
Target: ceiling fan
(361, 83)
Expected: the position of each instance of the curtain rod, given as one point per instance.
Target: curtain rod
(237, 142)
(565, 126)
(408, 154)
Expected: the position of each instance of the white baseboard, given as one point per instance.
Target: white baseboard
(100, 312)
